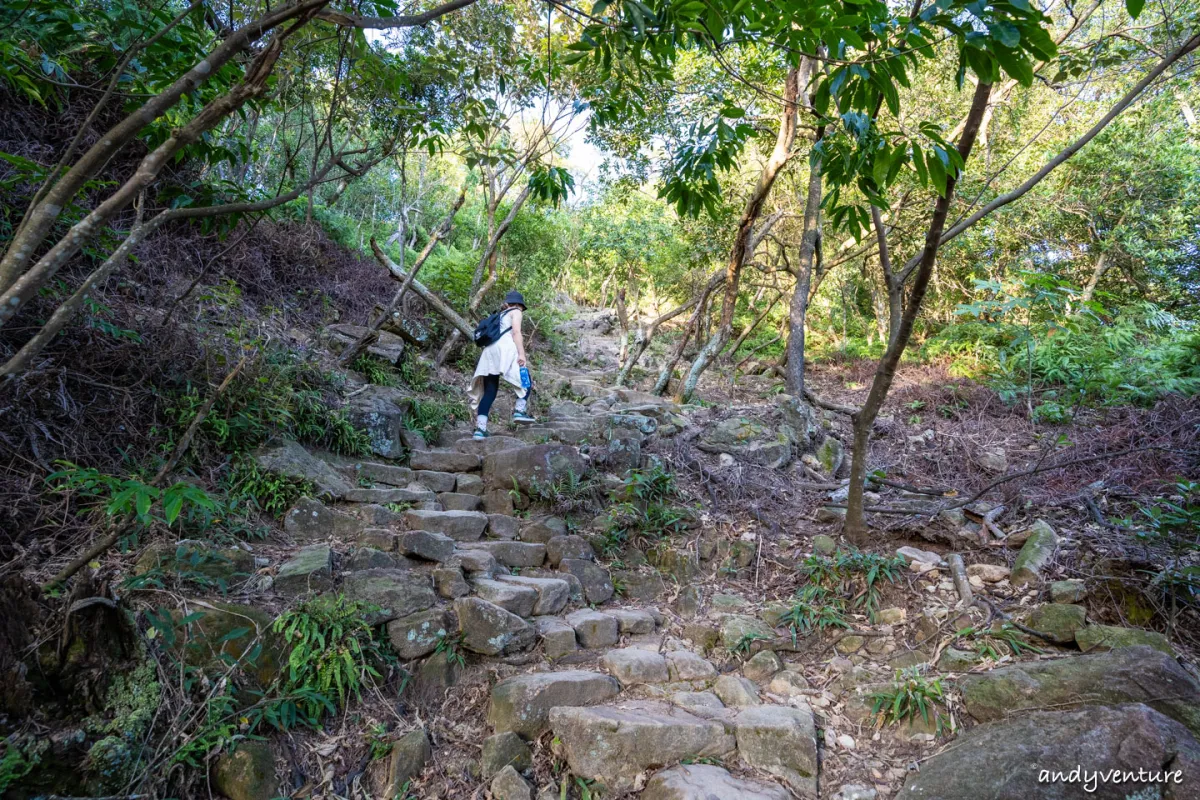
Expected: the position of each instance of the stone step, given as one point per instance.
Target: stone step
(594, 629)
(391, 474)
(513, 598)
(412, 494)
(489, 630)
(522, 704)
(552, 593)
(510, 554)
(462, 526)
(492, 444)
(436, 481)
(455, 501)
(444, 460)
(708, 782)
(614, 744)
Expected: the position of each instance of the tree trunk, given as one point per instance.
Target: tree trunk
(664, 375)
(1097, 273)
(645, 333)
(431, 299)
(884, 374)
(740, 252)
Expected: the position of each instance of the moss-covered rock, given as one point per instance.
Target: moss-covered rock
(1110, 637)
(1035, 554)
(228, 633)
(247, 773)
(1059, 621)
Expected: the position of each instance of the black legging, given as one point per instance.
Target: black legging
(491, 385)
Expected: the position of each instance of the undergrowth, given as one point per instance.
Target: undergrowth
(912, 695)
(642, 513)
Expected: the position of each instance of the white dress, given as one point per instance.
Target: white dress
(498, 358)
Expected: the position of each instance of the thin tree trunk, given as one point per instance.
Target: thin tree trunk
(741, 340)
(645, 333)
(1097, 273)
(893, 283)
(431, 299)
(740, 251)
(664, 375)
(884, 374)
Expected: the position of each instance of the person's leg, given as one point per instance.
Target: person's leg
(520, 408)
(491, 385)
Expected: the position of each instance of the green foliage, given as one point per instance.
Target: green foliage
(119, 497)
(854, 575)
(22, 752)
(641, 513)
(376, 370)
(452, 647)
(271, 492)
(430, 417)
(1174, 524)
(997, 641)
(332, 648)
(912, 694)
(815, 609)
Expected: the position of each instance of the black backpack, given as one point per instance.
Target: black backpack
(488, 330)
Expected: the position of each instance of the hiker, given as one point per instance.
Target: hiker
(503, 356)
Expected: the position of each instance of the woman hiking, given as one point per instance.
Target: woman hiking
(503, 357)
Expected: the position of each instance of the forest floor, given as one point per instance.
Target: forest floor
(748, 642)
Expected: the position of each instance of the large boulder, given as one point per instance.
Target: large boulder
(1098, 638)
(309, 570)
(1035, 555)
(418, 634)
(387, 346)
(490, 630)
(1048, 755)
(747, 440)
(381, 412)
(247, 773)
(310, 520)
(525, 467)
(196, 562)
(614, 744)
(397, 592)
(461, 526)
(1128, 675)
(287, 458)
(708, 782)
(227, 633)
(782, 741)
(522, 704)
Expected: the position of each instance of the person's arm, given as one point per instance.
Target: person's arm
(515, 321)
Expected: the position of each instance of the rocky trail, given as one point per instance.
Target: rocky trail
(544, 666)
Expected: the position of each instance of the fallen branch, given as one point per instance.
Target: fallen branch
(124, 525)
(837, 408)
(432, 300)
(958, 573)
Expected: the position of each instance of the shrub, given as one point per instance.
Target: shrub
(912, 694)
(430, 417)
(853, 575)
(271, 492)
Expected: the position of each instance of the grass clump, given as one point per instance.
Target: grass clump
(642, 513)
(853, 575)
(912, 694)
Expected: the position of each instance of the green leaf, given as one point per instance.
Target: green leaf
(1134, 7)
(1016, 65)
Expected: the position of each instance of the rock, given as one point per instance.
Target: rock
(437, 674)
(954, 660)
(413, 495)
(418, 634)
(543, 530)
(477, 563)
(824, 545)
(388, 777)
(525, 466)
(914, 554)
(450, 583)
(444, 461)
(1128, 675)
(614, 744)
(310, 520)
(624, 451)
(309, 570)
(228, 633)
(461, 526)
(706, 782)
(748, 441)
(558, 638)
(247, 773)
(287, 458)
(509, 785)
(364, 558)
(384, 345)
(436, 480)
(490, 630)
(788, 683)
(518, 600)
(735, 691)
(891, 616)
(552, 593)
(498, 501)
(854, 791)
(633, 621)
(379, 538)
(632, 666)
(1017, 757)
(989, 573)
(381, 412)
(502, 527)
(782, 741)
(469, 484)
(739, 628)
(702, 704)
(1096, 638)
(502, 750)
(1069, 591)
(427, 545)
(762, 666)
(593, 629)
(1035, 555)
(1058, 621)
(684, 665)
(830, 453)
(391, 474)
(397, 592)
(522, 704)
(492, 444)
(560, 547)
(197, 562)
(453, 501)
(994, 461)
(596, 582)
(646, 587)
(513, 554)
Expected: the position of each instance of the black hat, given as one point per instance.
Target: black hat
(515, 298)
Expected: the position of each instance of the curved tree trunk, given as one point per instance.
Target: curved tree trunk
(740, 250)
(664, 375)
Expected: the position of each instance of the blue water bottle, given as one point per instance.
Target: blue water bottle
(526, 381)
